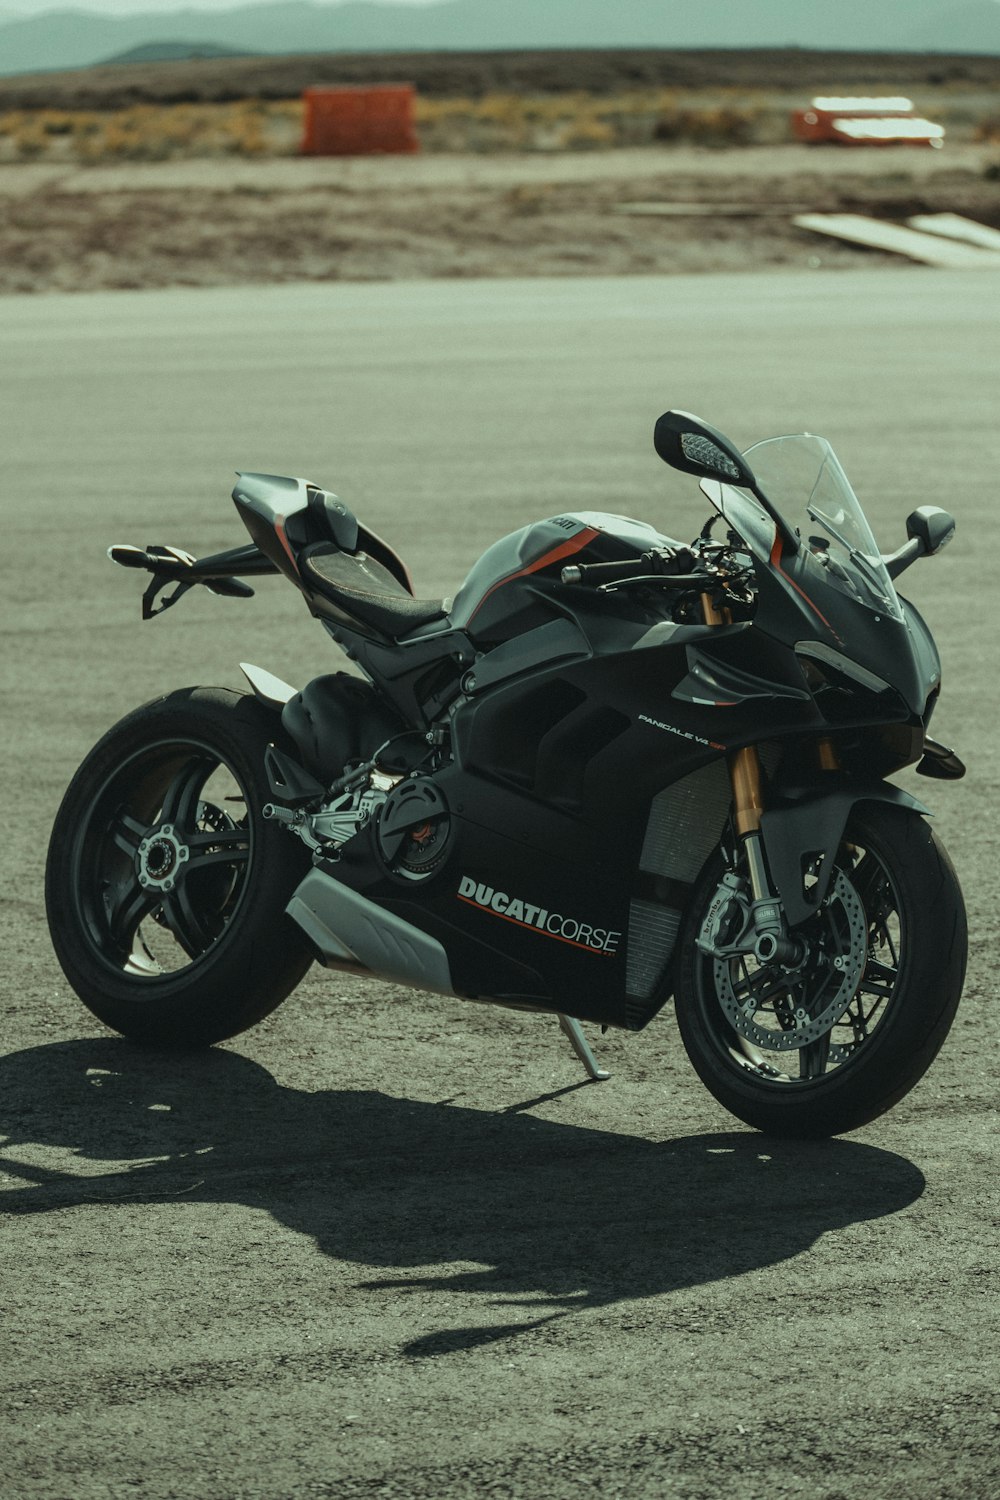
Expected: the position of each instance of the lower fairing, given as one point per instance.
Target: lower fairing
(529, 906)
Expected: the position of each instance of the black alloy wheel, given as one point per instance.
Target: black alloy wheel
(165, 886)
(827, 1044)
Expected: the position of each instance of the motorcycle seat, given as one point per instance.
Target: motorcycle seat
(359, 586)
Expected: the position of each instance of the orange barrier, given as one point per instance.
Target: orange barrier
(865, 122)
(357, 120)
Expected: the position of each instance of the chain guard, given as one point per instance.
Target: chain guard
(838, 941)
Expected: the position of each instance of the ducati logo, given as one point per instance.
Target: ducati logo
(552, 924)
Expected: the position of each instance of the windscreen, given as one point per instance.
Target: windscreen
(805, 483)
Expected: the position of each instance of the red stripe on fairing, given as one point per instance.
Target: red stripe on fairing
(565, 549)
(776, 554)
(279, 526)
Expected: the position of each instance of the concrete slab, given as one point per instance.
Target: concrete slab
(930, 249)
(956, 227)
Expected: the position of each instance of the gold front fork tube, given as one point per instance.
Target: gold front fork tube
(829, 760)
(744, 765)
(748, 796)
(710, 614)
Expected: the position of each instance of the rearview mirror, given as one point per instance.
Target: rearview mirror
(685, 442)
(931, 526)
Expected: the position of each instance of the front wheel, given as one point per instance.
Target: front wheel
(827, 1045)
(165, 887)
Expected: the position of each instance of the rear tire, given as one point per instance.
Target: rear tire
(911, 931)
(165, 886)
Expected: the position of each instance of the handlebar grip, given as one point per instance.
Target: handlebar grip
(596, 573)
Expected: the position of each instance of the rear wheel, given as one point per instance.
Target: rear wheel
(830, 1043)
(165, 886)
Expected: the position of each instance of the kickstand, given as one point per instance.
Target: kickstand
(581, 1047)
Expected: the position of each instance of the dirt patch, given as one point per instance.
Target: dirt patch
(188, 173)
(210, 223)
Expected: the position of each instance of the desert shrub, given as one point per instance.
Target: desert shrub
(581, 121)
(55, 122)
(26, 136)
(720, 125)
(495, 121)
(151, 132)
(587, 132)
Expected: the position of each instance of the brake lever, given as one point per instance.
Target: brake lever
(660, 580)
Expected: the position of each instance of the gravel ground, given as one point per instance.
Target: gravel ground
(387, 1244)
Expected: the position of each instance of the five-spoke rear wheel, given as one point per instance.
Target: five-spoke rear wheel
(165, 886)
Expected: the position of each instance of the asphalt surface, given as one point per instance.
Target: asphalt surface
(384, 1244)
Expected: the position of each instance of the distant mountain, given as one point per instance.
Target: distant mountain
(174, 52)
(71, 39)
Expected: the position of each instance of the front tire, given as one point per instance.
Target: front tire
(165, 886)
(896, 903)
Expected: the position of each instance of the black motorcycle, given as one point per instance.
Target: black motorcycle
(613, 770)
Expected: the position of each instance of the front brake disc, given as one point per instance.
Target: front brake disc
(782, 1009)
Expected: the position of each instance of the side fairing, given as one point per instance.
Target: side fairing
(583, 800)
(926, 658)
(598, 737)
(539, 908)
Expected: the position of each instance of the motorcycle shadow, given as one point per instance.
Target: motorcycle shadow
(552, 1217)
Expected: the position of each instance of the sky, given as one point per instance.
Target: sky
(141, 7)
(138, 7)
(10, 9)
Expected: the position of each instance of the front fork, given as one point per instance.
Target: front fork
(764, 932)
(764, 935)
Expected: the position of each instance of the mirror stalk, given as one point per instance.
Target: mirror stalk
(897, 562)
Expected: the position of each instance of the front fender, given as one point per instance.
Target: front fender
(807, 824)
